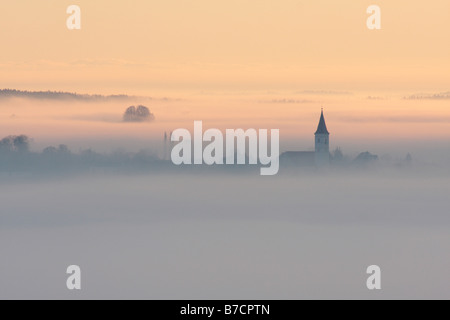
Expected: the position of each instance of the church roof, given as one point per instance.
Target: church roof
(322, 127)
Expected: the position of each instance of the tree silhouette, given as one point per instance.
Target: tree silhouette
(15, 144)
(139, 114)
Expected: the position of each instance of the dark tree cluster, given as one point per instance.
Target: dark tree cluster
(61, 149)
(16, 157)
(15, 144)
(138, 114)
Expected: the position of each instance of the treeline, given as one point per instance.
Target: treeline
(15, 156)
(59, 95)
(436, 96)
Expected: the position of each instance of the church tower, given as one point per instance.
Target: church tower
(322, 143)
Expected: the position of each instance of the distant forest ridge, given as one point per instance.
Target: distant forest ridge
(436, 96)
(59, 95)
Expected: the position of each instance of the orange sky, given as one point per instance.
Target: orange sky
(227, 59)
(147, 46)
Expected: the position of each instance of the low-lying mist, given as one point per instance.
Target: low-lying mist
(234, 235)
(80, 186)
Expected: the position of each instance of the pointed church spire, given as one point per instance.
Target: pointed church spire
(322, 127)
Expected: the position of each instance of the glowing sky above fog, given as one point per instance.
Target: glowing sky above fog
(143, 46)
(232, 63)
